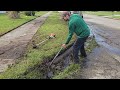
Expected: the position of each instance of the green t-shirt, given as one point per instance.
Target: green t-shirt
(78, 26)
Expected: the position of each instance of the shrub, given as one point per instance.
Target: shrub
(30, 13)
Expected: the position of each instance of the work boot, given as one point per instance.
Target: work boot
(76, 61)
(83, 56)
(79, 54)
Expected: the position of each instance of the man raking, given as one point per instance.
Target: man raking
(78, 26)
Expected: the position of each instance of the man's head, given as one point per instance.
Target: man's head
(66, 15)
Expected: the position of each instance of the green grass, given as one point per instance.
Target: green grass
(105, 13)
(7, 24)
(116, 17)
(35, 57)
(68, 71)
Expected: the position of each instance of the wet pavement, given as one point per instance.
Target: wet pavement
(100, 65)
(14, 43)
(104, 61)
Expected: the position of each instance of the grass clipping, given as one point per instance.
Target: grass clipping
(68, 71)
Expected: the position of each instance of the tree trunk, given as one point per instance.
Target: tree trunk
(13, 14)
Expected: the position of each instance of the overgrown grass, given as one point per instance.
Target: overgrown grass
(34, 57)
(7, 24)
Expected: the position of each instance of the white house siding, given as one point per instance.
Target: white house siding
(2, 11)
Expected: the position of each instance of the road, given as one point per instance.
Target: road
(14, 43)
(104, 61)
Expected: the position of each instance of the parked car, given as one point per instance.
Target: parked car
(2, 11)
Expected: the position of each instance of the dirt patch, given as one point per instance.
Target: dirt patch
(48, 71)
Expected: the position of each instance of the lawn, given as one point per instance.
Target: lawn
(110, 14)
(7, 24)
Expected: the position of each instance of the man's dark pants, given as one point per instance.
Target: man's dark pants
(79, 46)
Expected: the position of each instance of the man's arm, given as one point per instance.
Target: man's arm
(71, 31)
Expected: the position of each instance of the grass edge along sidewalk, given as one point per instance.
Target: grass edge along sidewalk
(7, 25)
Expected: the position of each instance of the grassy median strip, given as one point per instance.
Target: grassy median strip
(34, 57)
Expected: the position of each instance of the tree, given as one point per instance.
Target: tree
(14, 14)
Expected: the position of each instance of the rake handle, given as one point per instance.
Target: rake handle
(56, 56)
(42, 42)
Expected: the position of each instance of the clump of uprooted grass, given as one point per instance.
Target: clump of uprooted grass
(73, 70)
(68, 71)
(26, 68)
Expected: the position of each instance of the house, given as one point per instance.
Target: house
(2, 11)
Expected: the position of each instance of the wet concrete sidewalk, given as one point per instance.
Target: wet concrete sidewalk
(13, 44)
(100, 64)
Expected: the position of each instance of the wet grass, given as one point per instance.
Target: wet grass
(68, 71)
(90, 45)
(27, 67)
(7, 24)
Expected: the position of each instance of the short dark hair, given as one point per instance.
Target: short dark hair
(66, 13)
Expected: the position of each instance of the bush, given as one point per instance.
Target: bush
(30, 13)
